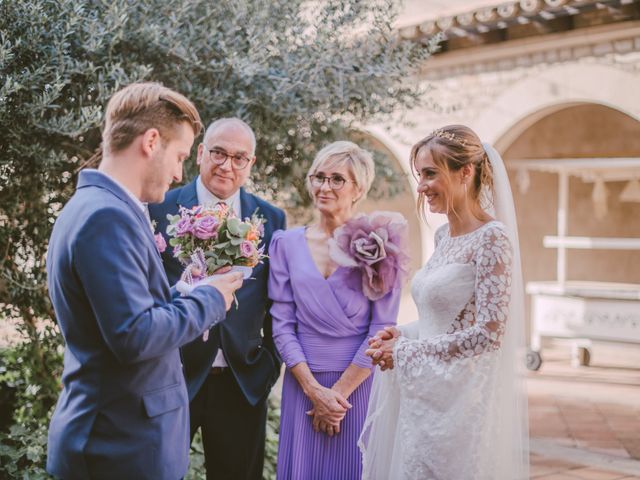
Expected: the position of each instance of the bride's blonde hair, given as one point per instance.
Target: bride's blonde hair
(452, 147)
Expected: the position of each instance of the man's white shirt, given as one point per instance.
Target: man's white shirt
(205, 197)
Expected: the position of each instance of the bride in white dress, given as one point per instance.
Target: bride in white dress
(450, 405)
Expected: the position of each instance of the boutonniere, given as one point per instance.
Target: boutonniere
(161, 244)
(377, 245)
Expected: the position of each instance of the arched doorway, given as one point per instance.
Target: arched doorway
(556, 88)
(576, 131)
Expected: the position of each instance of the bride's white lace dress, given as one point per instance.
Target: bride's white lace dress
(437, 414)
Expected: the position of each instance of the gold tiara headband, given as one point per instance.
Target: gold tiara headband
(449, 136)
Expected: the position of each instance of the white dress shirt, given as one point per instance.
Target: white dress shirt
(205, 197)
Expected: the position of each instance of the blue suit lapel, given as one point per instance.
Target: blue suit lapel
(188, 195)
(248, 204)
(92, 178)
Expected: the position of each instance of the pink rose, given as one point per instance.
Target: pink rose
(247, 249)
(161, 244)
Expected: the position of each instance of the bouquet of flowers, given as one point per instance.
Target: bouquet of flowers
(208, 238)
(375, 244)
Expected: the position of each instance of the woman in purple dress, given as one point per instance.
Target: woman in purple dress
(333, 284)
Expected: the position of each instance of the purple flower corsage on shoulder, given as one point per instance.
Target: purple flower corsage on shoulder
(376, 244)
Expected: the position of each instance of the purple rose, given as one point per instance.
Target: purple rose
(183, 227)
(368, 248)
(161, 244)
(247, 249)
(205, 228)
(376, 244)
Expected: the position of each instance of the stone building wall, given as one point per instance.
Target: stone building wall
(578, 131)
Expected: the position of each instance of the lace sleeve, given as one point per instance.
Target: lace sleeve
(481, 324)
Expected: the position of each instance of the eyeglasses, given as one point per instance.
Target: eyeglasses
(336, 182)
(219, 157)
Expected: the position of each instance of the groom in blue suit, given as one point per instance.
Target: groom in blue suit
(229, 372)
(122, 411)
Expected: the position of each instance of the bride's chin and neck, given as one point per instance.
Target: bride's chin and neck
(464, 212)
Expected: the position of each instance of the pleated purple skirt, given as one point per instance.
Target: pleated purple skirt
(308, 455)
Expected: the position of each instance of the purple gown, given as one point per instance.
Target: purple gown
(326, 323)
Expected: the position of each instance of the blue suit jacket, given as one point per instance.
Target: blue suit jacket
(123, 410)
(245, 337)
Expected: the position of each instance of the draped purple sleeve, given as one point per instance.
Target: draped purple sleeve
(384, 313)
(283, 310)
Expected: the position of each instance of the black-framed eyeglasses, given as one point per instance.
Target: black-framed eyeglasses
(336, 182)
(219, 157)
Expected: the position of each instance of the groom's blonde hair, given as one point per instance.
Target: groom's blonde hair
(141, 106)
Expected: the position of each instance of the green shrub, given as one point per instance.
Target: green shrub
(273, 430)
(23, 452)
(29, 380)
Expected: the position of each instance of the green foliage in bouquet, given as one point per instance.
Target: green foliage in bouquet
(300, 73)
(213, 237)
(238, 243)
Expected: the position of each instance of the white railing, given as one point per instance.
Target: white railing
(601, 243)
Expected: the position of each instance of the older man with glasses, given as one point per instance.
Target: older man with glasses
(230, 372)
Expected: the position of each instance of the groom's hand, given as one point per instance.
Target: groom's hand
(226, 284)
